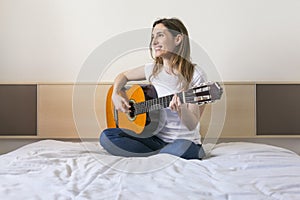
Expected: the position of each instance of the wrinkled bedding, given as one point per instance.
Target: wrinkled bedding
(51, 169)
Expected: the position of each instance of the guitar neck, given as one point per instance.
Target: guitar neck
(204, 93)
(155, 104)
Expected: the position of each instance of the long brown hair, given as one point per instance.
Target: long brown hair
(180, 58)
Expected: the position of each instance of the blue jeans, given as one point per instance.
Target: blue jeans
(119, 143)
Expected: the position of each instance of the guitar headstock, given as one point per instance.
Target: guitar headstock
(204, 93)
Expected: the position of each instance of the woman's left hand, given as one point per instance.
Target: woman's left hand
(188, 113)
(175, 103)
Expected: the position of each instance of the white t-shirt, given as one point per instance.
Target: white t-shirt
(166, 84)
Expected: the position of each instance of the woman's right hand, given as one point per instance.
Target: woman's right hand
(121, 102)
(119, 96)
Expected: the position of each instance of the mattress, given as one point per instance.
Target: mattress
(51, 169)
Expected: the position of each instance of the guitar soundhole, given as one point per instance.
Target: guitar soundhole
(131, 110)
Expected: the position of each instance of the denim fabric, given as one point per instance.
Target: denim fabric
(119, 143)
(185, 149)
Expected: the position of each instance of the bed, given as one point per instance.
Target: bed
(51, 169)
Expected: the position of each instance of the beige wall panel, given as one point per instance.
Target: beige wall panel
(240, 112)
(240, 115)
(58, 119)
(55, 118)
(100, 104)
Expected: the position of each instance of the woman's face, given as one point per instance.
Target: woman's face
(163, 42)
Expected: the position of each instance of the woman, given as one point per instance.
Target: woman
(170, 73)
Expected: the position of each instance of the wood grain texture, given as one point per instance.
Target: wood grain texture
(60, 115)
(240, 112)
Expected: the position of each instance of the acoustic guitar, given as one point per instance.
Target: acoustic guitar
(144, 114)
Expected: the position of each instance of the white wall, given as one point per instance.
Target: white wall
(49, 40)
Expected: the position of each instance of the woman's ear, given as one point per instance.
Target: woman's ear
(178, 39)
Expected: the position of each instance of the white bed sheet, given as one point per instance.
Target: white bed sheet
(52, 169)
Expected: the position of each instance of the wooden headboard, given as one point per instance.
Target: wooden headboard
(57, 118)
(62, 115)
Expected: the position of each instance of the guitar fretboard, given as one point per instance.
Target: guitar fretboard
(155, 104)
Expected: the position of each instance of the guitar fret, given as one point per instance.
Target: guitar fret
(151, 104)
(145, 106)
(166, 102)
(160, 103)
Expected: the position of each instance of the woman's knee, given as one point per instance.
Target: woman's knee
(103, 137)
(107, 135)
(182, 148)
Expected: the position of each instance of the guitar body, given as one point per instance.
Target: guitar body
(144, 124)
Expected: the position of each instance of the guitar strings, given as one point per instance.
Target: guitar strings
(199, 95)
(162, 102)
(194, 96)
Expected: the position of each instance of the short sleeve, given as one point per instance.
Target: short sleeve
(198, 77)
(148, 70)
